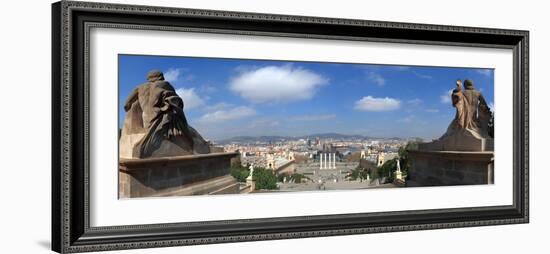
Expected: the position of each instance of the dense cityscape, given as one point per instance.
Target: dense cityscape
(319, 161)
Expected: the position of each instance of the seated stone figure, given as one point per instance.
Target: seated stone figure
(155, 124)
(469, 129)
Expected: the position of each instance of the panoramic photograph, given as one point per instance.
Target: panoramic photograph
(205, 126)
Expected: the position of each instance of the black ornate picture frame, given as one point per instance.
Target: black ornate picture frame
(71, 230)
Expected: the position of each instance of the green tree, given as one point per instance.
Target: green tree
(297, 177)
(240, 173)
(404, 158)
(282, 176)
(387, 169)
(264, 179)
(357, 173)
(369, 168)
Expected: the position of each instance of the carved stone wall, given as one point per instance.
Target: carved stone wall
(441, 168)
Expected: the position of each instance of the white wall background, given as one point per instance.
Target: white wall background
(25, 125)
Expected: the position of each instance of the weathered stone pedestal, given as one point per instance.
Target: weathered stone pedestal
(251, 183)
(177, 176)
(443, 168)
(460, 140)
(398, 179)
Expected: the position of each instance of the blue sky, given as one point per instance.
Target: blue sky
(232, 97)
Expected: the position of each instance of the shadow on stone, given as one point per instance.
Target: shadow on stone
(176, 175)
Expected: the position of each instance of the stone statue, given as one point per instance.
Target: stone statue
(468, 131)
(250, 179)
(458, 100)
(155, 124)
(472, 111)
(251, 168)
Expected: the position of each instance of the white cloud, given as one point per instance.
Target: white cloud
(172, 75)
(175, 75)
(313, 117)
(376, 78)
(276, 84)
(190, 98)
(225, 115)
(370, 103)
(446, 97)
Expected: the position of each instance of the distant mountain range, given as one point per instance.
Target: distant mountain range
(266, 139)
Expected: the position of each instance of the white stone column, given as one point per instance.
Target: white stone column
(320, 161)
(330, 160)
(326, 160)
(334, 160)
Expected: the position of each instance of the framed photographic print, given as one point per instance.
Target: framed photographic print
(182, 126)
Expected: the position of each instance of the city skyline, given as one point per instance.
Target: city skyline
(225, 98)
